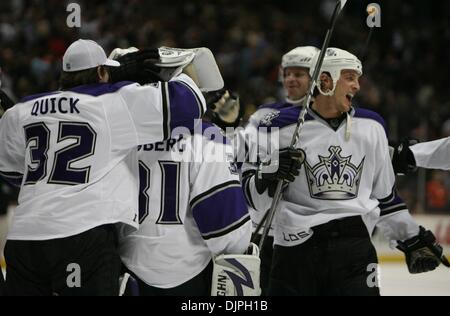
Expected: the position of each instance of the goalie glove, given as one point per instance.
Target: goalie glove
(224, 109)
(423, 253)
(237, 275)
(137, 65)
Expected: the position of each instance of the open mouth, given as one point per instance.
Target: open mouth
(349, 97)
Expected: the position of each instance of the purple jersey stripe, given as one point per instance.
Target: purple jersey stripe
(94, 90)
(392, 204)
(38, 96)
(276, 106)
(183, 102)
(99, 89)
(220, 210)
(367, 114)
(284, 117)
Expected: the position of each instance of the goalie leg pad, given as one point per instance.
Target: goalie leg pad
(237, 275)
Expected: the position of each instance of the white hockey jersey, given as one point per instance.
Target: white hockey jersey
(347, 173)
(191, 208)
(246, 146)
(433, 155)
(74, 152)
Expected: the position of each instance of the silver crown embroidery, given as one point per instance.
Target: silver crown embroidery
(268, 118)
(335, 177)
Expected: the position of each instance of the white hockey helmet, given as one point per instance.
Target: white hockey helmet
(299, 57)
(335, 61)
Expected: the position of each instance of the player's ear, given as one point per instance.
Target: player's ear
(103, 74)
(326, 82)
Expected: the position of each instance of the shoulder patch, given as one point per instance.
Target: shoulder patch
(268, 119)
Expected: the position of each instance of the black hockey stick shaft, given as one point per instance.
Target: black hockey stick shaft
(366, 46)
(301, 121)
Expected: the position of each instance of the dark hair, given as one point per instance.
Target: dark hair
(70, 80)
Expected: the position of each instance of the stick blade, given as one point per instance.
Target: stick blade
(343, 3)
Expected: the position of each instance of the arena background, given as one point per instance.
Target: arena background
(406, 64)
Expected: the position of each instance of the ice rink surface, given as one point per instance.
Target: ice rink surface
(395, 280)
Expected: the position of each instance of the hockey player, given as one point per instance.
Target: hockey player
(74, 153)
(430, 155)
(190, 211)
(7, 193)
(295, 77)
(191, 207)
(327, 215)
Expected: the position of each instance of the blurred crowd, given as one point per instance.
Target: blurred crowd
(405, 65)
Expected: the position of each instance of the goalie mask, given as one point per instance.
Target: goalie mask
(298, 57)
(334, 62)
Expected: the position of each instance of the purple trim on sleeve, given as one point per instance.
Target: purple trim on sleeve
(184, 104)
(99, 89)
(367, 114)
(220, 208)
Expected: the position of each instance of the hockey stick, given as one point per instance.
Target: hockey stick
(366, 46)
(300, 123)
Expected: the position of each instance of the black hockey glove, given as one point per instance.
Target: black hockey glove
(423, 253)
(140, 67)
(224, 108)
(403, 159)
(5, 102)
(289, 165)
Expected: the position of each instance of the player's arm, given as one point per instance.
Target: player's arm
(5, 102)
(260, 177)
(421, 250)
(433, 155)
(157, 110)
(12, 160)
(217, 202)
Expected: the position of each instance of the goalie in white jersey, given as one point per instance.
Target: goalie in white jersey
(327, 214)
(192, 208)
(74, 154)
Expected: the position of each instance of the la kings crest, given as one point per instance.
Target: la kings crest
(335, 177)
(268, 119)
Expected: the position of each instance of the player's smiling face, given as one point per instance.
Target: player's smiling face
(346, 89)
(296, 82)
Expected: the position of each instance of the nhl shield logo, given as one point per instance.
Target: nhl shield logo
(335, 177)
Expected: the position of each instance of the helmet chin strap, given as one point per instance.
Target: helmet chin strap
(328, 93)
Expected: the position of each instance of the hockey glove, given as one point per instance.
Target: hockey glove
(5, 102)
(139, 66)
(224, 108)
(289, 164)
(423, 253)
(403, 159)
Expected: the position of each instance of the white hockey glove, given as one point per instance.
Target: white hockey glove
(237, 275)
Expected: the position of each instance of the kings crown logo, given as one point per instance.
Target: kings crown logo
(335, 177)
(268, 119)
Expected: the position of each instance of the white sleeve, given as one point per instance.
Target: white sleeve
(218, 205)
(384, 180)
(395, 221)
(156, 110)
(12, 140)
(433, 155)
(398, 226)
